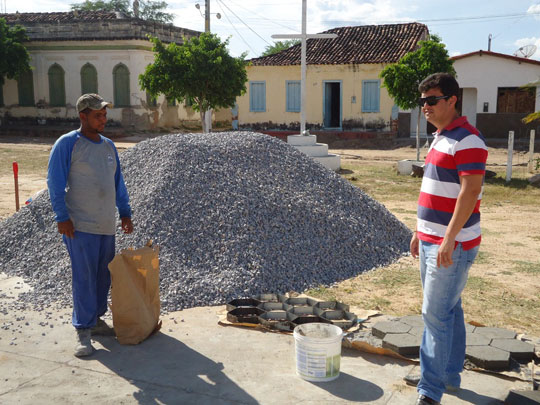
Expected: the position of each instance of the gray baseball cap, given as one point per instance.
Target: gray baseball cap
(92, 101)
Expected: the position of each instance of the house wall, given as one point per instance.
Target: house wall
(486, 73)
(350, 76)
(480, 76)
(104, 56)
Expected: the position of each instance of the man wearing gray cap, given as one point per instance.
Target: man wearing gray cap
(86, 185)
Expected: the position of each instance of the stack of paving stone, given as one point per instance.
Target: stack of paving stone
(284, 313)
(488, 348)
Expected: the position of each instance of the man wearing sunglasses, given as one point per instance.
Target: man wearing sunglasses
(447, 235)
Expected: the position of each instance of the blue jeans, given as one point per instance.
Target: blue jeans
(442, 351)
(90, 277)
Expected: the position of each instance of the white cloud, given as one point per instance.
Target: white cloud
(332, 13)
(455, 53)
(534, 9)
(44, 6)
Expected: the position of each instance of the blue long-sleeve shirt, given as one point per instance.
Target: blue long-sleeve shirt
(85, 183)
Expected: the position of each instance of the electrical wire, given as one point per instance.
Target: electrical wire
(230, 22)
(264, 18)
(227, 7)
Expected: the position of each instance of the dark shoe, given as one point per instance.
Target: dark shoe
(84, 345)
(414, 379)
(102, 329)
(423, 400)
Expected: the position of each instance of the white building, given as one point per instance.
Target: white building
(493, 98)
(79, 52)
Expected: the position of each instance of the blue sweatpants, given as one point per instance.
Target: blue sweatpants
(90, 278)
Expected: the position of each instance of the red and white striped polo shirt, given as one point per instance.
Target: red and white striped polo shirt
(458, 150)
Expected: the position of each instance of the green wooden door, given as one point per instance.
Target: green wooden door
(57, 86)
(89, 82)
(121, 86)
(25, 88)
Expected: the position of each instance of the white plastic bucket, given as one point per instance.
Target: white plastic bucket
(318, 351)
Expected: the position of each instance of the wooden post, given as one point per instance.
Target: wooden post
(531, 152)
(509, 158)
(16, 179)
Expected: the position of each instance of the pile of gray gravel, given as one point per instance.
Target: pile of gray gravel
(235, 214)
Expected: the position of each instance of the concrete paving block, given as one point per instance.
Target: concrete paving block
(488, 357)
(403, 343)
(516, 397)
(496, 333)
(412, 320)
(474, 339)
(380, 329)
(520, 351)
(417, 331)
(469, 328)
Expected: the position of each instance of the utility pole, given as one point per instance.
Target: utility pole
(206, 15)
(208, 113)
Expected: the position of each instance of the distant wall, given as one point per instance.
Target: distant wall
(498, 125)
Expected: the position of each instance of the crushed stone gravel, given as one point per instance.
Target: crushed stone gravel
(235, 214)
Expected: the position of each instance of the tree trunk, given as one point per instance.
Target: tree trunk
(203, 121)
(418, 134)
(208, 118)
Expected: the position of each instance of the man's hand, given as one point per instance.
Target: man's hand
(415, 245)
(66, 228)
(444, 254)
(127, 225)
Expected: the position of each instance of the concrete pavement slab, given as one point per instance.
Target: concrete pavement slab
(193, 360)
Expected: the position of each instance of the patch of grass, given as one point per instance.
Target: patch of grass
(322, 293)
(30, 161)
(478, 283)
(516, 244)
(506, 273)
(527, 267)
(383, 182)
(516, 192)
(404, 211)
(375, 302)
(482, 258)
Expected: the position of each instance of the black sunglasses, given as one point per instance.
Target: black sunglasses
(431, 100)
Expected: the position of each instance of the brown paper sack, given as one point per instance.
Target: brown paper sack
(135, 294)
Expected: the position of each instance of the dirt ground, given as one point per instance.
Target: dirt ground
(499, 292)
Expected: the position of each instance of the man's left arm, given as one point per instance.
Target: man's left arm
(471, 187)
(122, 197)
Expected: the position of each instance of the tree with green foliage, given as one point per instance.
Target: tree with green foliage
(402, 79)
(200, 70)
(14, 58)
(148, 10)
(279, 46)
(535, 115)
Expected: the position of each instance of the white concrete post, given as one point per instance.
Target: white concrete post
(531, 151)
(509, 158)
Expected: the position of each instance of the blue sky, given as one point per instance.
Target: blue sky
(464, 26)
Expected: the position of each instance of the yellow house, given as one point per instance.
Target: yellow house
(343, 88)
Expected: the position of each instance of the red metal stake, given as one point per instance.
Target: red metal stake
(16, 177)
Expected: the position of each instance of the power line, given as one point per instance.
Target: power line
(264, 18)
(228, 19)
(227, 7)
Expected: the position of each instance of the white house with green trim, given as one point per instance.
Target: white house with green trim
(79, 52)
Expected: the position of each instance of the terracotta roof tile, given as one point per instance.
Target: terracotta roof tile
(94, 26)
(354, 45)
(59, 17)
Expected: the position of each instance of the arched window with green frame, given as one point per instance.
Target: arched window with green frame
(121, 85)
(57, 86)
(25, 89)
(89, 82)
